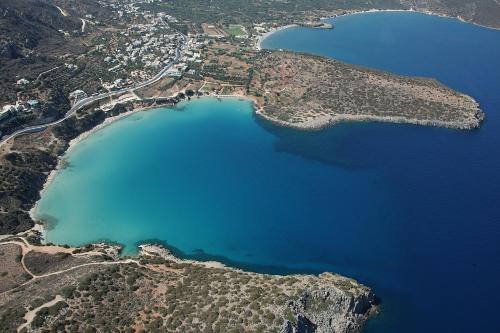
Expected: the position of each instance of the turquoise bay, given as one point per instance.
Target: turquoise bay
(196, 177)
(410, 211)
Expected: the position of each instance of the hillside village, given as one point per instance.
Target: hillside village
(132, 52)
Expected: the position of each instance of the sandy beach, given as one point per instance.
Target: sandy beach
(262, 37)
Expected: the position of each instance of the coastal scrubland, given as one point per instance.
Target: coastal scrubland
(26, 162)
(12, 272)
(83, 290)
(307, 91)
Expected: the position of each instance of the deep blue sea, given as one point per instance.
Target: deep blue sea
(413, 212)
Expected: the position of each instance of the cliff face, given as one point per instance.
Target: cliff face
(330, 309)
(328, 303)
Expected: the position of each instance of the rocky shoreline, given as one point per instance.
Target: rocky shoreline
(316, 25)
(341, 310)
(328, 121)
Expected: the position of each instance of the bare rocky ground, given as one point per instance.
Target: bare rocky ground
(60, 289)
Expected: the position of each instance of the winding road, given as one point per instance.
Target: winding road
(84, 23)
(91, 99)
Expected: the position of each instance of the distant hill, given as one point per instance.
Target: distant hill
(483, 12)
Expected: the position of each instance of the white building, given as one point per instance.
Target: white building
(78, 94)
(22, 82)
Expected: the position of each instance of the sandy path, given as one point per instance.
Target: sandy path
(83, 24)
(26, 247)
(127, 261)
(47, 71)
(24, 250)
(50, 249)
(36, 277)
(63, 12)
(30, 315)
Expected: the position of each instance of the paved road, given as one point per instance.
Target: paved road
(89, 100)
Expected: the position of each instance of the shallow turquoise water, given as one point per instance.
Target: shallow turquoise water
(411, 211)
(197, 177)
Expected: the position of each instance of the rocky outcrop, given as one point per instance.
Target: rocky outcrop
(330, 310)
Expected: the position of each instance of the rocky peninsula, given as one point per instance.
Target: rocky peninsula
(307, 92)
